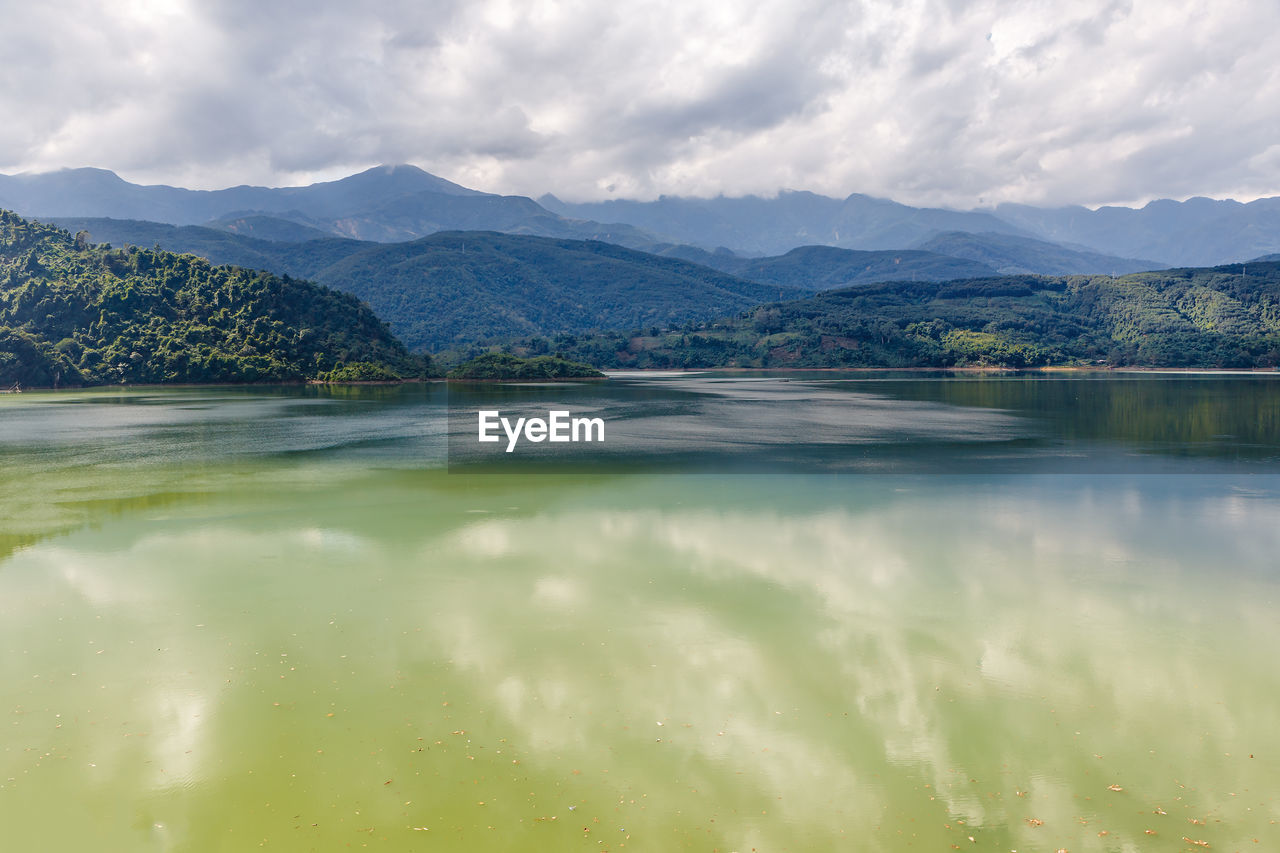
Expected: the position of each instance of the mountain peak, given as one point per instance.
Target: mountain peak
(392, 169)
(403, 178)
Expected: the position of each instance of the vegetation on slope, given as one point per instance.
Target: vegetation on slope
(360, 371)
(462, 287)
(504, 366)
(75, 314)
(1214, 317)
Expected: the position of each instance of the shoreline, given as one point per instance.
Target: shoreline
(976, 369)
(668, 371)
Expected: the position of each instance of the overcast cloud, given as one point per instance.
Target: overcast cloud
(954, 103)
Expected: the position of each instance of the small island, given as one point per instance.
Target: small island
(359, 372)
(502, 367)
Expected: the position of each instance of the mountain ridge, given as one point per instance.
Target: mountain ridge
(395, 203)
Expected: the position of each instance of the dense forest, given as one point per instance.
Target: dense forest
(459, 287)
(504, 366)
(76, 314)
(1202, 317)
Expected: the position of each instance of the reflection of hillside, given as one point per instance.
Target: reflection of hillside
(35, 505)
(72, 459)
(1239, 416)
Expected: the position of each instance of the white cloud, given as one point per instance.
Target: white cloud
(925, 101)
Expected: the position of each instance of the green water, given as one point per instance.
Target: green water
(277, 618)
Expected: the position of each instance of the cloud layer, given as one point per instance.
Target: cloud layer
(927, 101)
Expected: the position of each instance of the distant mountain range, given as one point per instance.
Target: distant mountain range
(452, 289)
(1198, 231)
(1012, 255)
(386, 204)
(772, 226)
(399, 203)
(1195, 232)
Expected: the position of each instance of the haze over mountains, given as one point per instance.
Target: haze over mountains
(397, 203)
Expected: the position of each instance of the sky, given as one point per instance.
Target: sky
(929, 102)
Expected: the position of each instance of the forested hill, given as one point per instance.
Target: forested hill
(459, 287)
(76, 314)
(1200, 317)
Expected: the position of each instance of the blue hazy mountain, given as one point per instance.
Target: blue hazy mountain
(773, 226)
(386, 203)
(1195, 232)
(1011, 255)
(397, 203)
(98, 192)
(826, 267)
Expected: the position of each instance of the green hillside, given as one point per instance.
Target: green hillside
(75, 314)
(504, 367)
(460, 287)
(1204, 317)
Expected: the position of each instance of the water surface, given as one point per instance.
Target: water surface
(280, 618)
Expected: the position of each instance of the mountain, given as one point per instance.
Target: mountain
(1198, 231)
(455, 288)
(303, 259)
(265, 227)
(397, 203)
(772, 226)
(1205, 317)
(826, 267)
(805, 269)
(1011, 254)
(474, 287)
(387, 204)
(407, 217)
(100, 193)
(75, 314)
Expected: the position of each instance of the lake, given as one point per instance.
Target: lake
(800, 611)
